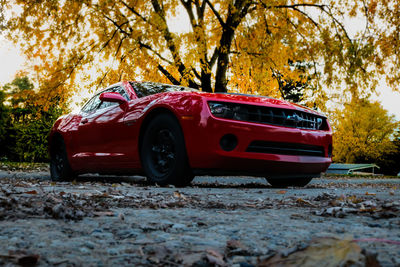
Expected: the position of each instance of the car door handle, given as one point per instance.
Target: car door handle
(84, 120)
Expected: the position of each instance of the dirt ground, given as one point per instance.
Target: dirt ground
(218, 221)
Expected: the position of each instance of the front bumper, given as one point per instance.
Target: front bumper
(203, 137)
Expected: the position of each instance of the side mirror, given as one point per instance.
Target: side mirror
(112, 97)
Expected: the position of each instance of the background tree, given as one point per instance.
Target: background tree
(26, 121)
(237, 44)
(389, 163)
(363, 133)
(4, 124)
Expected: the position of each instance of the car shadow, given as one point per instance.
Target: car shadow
(198, 182)
(138, 180)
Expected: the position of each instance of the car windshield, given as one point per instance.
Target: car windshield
(148, 88)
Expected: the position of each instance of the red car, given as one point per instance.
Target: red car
(171, 133)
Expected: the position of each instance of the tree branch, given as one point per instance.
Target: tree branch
(155, 52)
(171, 44)
(136, 13)
(118, 26)
(168, 75)
(221, 21)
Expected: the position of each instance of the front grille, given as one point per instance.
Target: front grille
(286, 148)
(278, 116)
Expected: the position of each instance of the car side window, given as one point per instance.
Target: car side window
(121, 91)
(95, 102)
(92, 104)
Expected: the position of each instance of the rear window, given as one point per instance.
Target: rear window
(148, 88)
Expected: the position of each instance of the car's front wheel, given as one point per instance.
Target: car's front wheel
(60, 170)
(163, 152)
(285, 182)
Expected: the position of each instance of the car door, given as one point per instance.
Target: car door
(97, 138)
(113, 136)
(84, 142)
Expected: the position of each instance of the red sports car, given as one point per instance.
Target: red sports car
(171, 133)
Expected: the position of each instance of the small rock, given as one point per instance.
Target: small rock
(84, 250)
(112, 251)
(238, 259)
(90, 245)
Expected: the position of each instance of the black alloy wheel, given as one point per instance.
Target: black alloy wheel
(163, 152)
(285, 182)
(60, 170)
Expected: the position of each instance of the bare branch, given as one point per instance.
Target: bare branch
(214, 57)
(118, 26)
(293, 6)
(308, 17)
(136, 13)
(196, 73)
(324, 8)
(170, 42)
(102, 78)
(168, 75)
(141, 44)
(221, 21)
(109, 40)
(119, 46)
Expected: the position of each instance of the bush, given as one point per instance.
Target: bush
(25, 123)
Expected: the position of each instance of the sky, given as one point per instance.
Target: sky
(12, 61)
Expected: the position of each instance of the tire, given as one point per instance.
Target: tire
(285, 182)
(163, 152)
(60, 169)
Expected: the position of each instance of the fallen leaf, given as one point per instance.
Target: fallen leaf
(327, 252)
(33, 192)
(302, 201)
(178, 194)
(215, 258)
(103, 213)
(281, 192)
(370, 194)
(233, 244)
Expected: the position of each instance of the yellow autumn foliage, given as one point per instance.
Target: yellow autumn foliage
(362, 132)
(215, 45)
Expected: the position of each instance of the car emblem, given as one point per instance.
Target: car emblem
(295, 118)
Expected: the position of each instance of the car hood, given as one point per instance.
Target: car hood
(256, 100)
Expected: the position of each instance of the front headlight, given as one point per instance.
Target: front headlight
(228, 110)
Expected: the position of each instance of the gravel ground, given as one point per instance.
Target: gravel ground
(107, 221)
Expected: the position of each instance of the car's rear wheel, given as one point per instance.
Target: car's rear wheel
(285, 182)
(163, 152)
(60, 170)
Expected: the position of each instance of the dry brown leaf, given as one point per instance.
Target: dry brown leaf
(327, 252)
(178, 194)
(370, 194)
(103, 213)
(302, 201)
(32, 192)
(281, 192)
(215, 257)
(233, 244)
